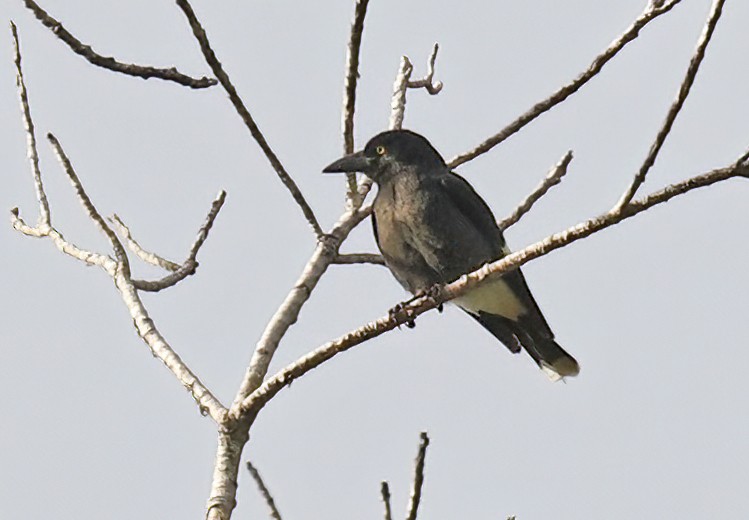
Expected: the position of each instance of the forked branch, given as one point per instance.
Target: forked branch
(178, 272)
(676, 106)
(118, 267)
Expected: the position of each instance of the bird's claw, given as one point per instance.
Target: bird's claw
(433, 294)
(401, 308)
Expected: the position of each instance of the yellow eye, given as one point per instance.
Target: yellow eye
(380, 150)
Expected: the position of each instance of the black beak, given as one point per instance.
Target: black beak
(355, 162)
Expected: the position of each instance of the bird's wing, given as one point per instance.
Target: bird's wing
(472, 207)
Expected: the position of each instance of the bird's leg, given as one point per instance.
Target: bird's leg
(433, 294)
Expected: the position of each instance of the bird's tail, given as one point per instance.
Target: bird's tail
(555, 362)
(552, 358)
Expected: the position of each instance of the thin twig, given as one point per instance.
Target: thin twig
(31, 149)
(385, 493)
(182, 271)
(349, 92)
(552, 178)
(418, 481)
(133, 245)
(650, 13)
(427, 82)
(398, 99)
(239, 106)
(284, 377)
(88, 205)
(264, 491)
(676, 106)
(359, 258)
(68, 248)
(110, 63)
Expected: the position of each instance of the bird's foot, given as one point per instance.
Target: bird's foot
(434, 295)
(400, 309)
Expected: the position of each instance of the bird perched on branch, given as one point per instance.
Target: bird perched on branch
(432, 227)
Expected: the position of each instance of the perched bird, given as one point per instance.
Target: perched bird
(432, 227)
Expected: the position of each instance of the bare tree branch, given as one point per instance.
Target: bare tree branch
(349, 93)
(119, 250)
(415, 497)
(178, 271)
(70, 249)
(676, 106)
(133, 245)
(264, 491)
(222, 499)
(359, 258)
(552, 178)
(651, 12)
(31, 150)
(385, 493)
(398, 100)
(427, 82)
(110, 63)
(260, 397)
(118, 269)
(143, 323)
(287, 313)
(239, 106)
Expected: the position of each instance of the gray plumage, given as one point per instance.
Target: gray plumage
(432, 227)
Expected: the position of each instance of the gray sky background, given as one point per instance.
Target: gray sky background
(654, 309)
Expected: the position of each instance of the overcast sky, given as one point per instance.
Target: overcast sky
(654, 309)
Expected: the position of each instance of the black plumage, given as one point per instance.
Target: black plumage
(432, 227)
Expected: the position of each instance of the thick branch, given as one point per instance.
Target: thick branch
(259, 398)
(552, 178)
(239, 106)
(418, 481)
(676, 106)
(110, 63)
(286, 315)
(349, 91)
(264, 491)
(650, 13)
(147, 330)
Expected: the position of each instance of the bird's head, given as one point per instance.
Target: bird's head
(388, 154)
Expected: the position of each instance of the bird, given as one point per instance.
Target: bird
(432, 227)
